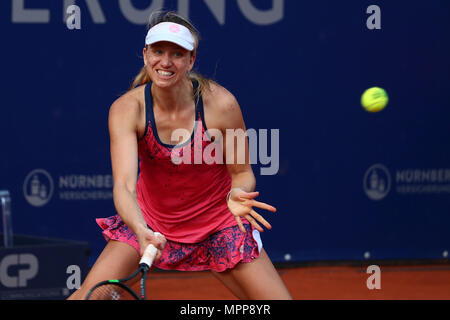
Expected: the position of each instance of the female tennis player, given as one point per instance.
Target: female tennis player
(206, 211)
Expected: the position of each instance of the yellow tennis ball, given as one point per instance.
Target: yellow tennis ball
(374, 99)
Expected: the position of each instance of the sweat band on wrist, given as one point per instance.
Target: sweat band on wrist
(228, 195)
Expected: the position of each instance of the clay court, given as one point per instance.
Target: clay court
(325, 282)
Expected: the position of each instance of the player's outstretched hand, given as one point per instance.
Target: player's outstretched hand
(241, 204)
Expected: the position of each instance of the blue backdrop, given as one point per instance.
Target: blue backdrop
(350, 185)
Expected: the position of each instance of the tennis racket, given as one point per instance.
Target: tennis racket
(120, 289)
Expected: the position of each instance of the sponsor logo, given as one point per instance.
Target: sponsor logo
(377, 182)
(85, 187)
(25, 12)
(423, 181)
(410, 181)
(26, 265)
(38, 187)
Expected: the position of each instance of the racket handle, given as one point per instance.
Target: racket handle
(149, 254)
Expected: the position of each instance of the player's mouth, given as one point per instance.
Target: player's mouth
(165, 74)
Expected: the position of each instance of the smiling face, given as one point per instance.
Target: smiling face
(167, 63)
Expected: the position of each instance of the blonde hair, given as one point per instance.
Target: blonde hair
(171, 16)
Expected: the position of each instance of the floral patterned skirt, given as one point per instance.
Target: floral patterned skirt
(220, 251)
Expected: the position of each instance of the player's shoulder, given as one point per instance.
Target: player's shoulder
(219, 98)
(128, 104)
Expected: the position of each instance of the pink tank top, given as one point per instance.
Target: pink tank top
(185, 202)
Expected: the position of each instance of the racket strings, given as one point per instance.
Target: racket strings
(116, 289)
(111, 291)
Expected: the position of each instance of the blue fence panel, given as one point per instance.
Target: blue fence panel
(350, 184)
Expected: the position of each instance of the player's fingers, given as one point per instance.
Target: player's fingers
(159, 246)
(260, 219)
(158, 255)
(264, 206)
(239, 222)
(160, 240)
(254, 223)
(248, 195)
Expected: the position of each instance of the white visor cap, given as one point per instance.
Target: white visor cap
(172, 32)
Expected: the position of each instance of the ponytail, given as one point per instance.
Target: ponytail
(203, 83)
(141, 79)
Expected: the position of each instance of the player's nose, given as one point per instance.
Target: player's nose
(166, 61)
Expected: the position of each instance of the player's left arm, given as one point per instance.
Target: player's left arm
(235, 145)
(236, 155)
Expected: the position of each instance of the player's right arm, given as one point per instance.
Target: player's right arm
(124, 115)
